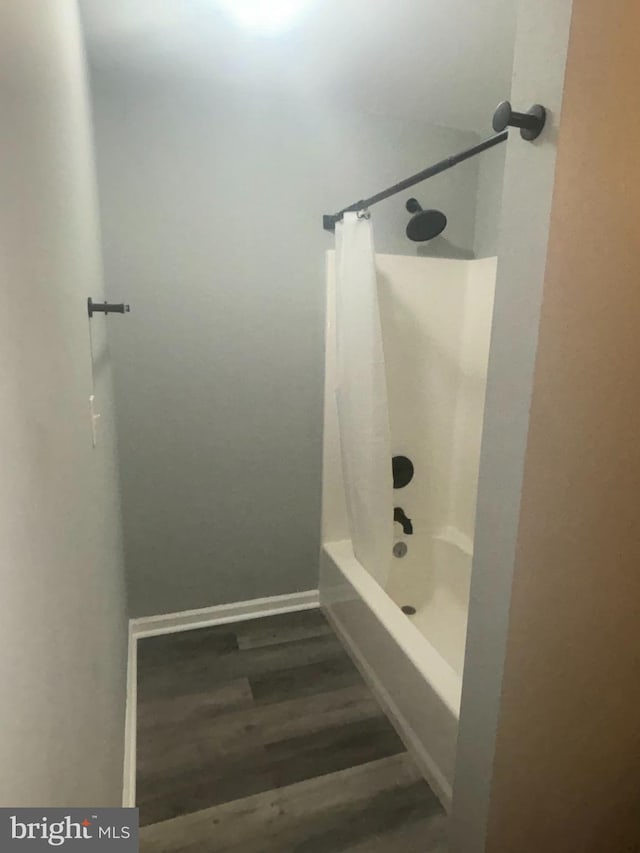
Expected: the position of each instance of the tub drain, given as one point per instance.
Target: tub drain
(400, 549)
(408, 609)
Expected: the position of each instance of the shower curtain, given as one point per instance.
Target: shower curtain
(361, 397)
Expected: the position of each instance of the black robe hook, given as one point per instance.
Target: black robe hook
(106, 307)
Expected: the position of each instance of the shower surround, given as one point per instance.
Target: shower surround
(436, 323)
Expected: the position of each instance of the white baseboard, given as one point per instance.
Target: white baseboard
(129, 773)
(439, 785)
(187, 620)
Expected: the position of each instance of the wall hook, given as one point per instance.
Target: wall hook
(106, 307)
(530, 123)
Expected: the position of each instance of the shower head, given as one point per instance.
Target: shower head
(424, 224)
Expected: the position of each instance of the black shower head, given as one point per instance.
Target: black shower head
(424, 224)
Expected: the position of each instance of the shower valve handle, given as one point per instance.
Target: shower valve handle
(530, 123)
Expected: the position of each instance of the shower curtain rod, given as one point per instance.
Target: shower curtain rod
(329, 220)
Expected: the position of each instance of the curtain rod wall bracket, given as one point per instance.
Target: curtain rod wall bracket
(531, 123)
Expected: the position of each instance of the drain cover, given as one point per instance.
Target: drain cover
(408, 609)
(400, 549)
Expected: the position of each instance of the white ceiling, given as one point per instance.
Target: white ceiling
(442, 61)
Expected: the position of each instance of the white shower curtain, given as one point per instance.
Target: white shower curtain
(361, 396)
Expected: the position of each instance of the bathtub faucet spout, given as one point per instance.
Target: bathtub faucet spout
(400, 516)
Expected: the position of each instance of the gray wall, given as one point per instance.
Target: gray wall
(489, 201)
(211, 212)
(63, 630)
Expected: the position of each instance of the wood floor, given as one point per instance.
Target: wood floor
(261, 737)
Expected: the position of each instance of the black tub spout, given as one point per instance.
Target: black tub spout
(399, 515)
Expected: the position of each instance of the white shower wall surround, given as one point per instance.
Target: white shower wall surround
(436, 323)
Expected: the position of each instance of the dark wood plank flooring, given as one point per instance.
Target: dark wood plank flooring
(261, 736)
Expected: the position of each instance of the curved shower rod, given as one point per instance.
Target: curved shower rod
(530, 123)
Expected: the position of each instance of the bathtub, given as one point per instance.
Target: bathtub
(436, 318)
(418, 690)
(434, 578)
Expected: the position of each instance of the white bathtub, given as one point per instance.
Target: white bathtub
(417, 688)
(436, 318)
(434, 577)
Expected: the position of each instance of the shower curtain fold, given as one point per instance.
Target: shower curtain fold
(361, 398)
